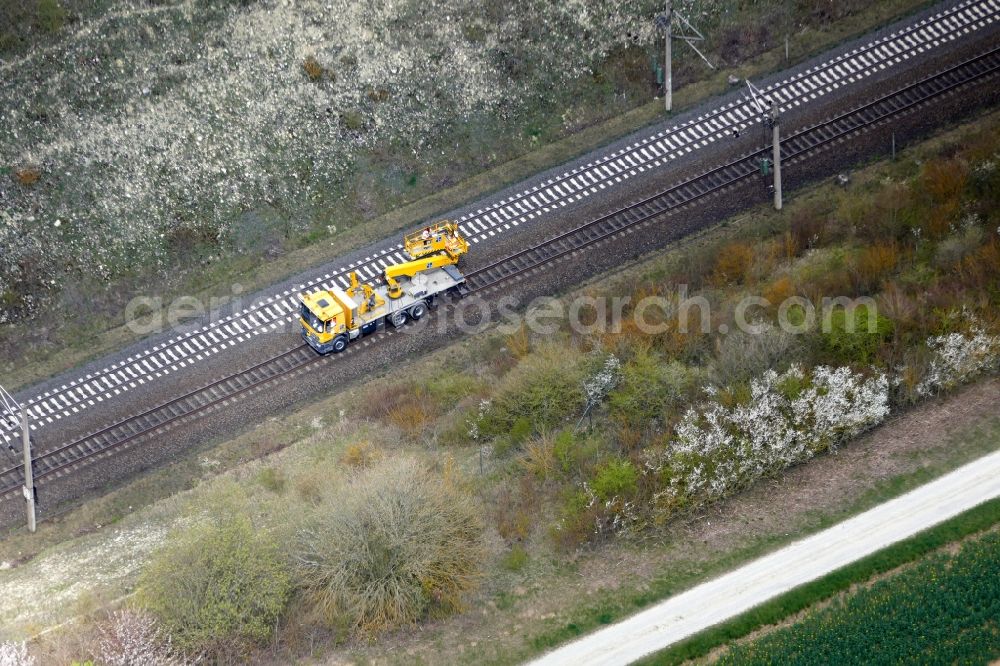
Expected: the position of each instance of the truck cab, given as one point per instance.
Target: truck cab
(323, 319)
(331, 317)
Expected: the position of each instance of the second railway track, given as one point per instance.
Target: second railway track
(794, 147)
(63, 459)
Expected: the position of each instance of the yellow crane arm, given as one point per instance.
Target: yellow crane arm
(411, 268)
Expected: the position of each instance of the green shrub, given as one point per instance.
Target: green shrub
(544, 389)
(353, 120)
(272, 479)
(49, 16)
(449, 387)
(615, 478)
(516, 559)
(398, 544)
(563, 449)
(648, 388)
(853, 336)
(520, 430)
(792, 386)
(217, 586)
(576, 518)
(575, 454)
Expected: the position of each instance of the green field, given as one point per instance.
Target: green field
(944, 610)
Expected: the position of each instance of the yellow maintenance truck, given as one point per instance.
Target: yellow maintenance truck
(331, 318)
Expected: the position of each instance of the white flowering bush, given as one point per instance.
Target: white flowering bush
(149, 123)
(597, 387)
(15, 654)
(130, 637)
(958, 358)
(473, 423)
(612, 516)
(789, 418)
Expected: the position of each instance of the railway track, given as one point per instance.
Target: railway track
(106, 440)
(95, 446)
(796, 146)
(651, 152)
(123, 434)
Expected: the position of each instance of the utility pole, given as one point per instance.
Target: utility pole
(686, 33)
(668, 75)
(776, 148)
(29, 480)
(768, 109)
(11, 408)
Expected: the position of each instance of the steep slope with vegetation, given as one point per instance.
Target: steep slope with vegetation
(167, 147)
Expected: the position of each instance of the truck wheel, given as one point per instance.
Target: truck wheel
(418, 310)
(398, 318)
(339, 344)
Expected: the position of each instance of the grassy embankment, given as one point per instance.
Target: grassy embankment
(494, 421)
(376, 200)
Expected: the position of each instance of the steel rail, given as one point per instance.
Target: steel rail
(793, 147)
(795, 78)
(713, 181)
(53, 460)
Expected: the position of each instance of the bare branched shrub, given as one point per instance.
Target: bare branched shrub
(539, 457)
(808, 227)
(733, 264)
(956, 247)
(15, 654)
(518, 342)
(778, 292)
(312, 68)
(28, 175)
(311, 485)
(405, 405)
(131, 637)
(873, 264)
(517, 509)
(398, 544)
(943, 180)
